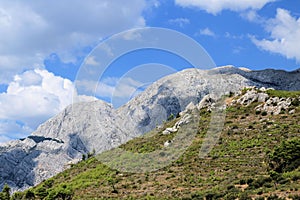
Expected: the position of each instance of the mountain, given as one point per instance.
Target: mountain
(96, 126)
(256, 156)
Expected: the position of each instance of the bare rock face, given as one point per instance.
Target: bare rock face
(268, 78)
(84, 127)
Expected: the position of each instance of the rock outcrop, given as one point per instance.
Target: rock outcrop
(84, 127)
(268, 105)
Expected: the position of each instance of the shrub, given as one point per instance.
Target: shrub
(286, 156)
(264, 113)
(244, 196)
(171, 117)
(249, 181)
(231, 195)
(29, 194)
(250, 127)
(60, 193)
(48, 183)
(296, 102)
(5, 194)
(212, 196)
(17, 196)
(261, 181)
(197, 196)
(41, 192)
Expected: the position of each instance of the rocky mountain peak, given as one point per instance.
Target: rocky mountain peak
(84, 127)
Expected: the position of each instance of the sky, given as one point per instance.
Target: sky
(45, 45)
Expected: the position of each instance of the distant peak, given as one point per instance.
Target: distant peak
(245, 69)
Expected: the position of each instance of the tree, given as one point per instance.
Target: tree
(17, 196)
(29, 194)
(5, 194)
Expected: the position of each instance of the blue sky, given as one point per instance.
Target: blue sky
(44, 44)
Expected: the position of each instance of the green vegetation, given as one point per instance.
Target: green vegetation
(5, 194)
(256, 157)
(286, 156)
(283, 93)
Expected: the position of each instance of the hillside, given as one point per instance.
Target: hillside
(86, 126)
(257, 156)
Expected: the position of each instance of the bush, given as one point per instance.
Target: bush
(41, 193)
(17, 196)
(296, 102)
(5, 194)
(212, 196)
(48, 183)
(264, 113)
(60, 193)
(230, 196)
(29, 195)
(244, 196)
(261, 181)
(285, 157)
(257, 112)
(171, 117)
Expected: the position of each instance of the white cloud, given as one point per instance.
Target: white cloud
(237, 49)
(32, 98)
(117, 91)
(252, 16)
(31, 30)
(179, 21)
(207, 32)
(284, 38)
(91, 60)
(26, 99)
(236, 37)
(216, 6)
(132, 35)
(110, 87)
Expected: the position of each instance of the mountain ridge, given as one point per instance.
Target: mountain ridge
(256, 157)
(84, 127)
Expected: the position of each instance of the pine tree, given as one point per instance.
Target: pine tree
(5, 194)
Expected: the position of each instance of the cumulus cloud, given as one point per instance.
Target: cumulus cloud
(33, 97)
(217, 6)
(284, 38)
(31, 30)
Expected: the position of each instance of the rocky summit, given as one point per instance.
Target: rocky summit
(96, 126)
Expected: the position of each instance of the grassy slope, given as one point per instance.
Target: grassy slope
(236, 167)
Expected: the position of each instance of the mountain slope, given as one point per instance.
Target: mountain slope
(84, 127)
(241, 165)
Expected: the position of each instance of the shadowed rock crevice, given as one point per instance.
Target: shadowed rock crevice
(39, 139)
